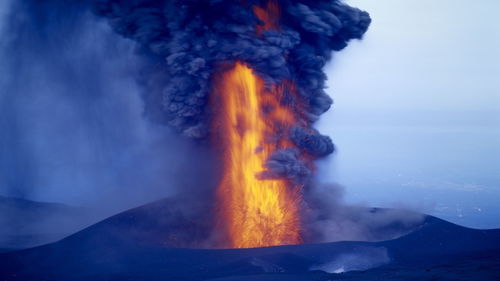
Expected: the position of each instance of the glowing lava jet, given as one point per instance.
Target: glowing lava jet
(256, 211)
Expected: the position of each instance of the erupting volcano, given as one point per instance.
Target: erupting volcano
(222, 185)
(244, 77)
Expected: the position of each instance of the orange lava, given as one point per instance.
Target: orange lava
(255, 212)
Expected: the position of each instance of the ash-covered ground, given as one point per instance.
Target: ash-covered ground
(138, 245)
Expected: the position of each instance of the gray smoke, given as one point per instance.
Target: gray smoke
(328, 218)
(362, 258)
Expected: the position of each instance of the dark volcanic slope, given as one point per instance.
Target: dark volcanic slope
(129, 246)
(26, 223)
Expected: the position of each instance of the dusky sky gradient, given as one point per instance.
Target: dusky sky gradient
(416, 118)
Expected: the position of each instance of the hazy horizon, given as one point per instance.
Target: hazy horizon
(416, 118)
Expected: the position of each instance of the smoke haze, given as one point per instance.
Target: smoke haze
(71, 122)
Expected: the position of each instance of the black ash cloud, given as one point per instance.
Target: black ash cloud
(191, 40)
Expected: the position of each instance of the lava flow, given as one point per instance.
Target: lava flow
(257, 212)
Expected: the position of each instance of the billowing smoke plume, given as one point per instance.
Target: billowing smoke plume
(191, 40)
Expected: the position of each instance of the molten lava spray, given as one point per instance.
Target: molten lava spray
(258, 212)
(246, 75)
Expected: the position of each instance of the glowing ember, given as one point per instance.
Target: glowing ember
(269, 16)
(256, 212)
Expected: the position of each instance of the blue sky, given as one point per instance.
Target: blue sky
(416, 118)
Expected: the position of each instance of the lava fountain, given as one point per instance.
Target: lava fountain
(257, 211)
